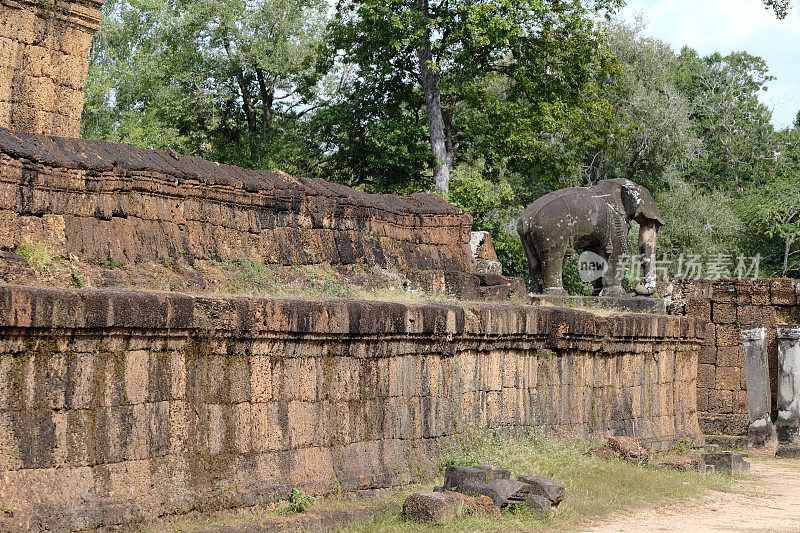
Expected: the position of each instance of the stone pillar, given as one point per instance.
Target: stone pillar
(44, 60)
(761, 432)
(788, 423)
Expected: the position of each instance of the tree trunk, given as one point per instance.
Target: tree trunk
(786, 248)
(442, 150)
(247, 103)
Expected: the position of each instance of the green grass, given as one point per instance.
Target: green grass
(595, 487)
(38, 255)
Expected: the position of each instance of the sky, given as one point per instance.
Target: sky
(733, 25)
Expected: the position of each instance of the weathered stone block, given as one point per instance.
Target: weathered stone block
(730, 356)
(702, 399)
(699, 307)
(761, 432)
(505, 492)
(540, 505)
(547, 488)
(723, 313)
(727, 378)
(782, 292)
(787, 424)
(710, 338)
(432, 507)
(456, 476)
(761, 291)
(730, 463)
(720, 401)
(707, 355)
(723, 291)
(706, 376)
(727, 335)
(740, 401)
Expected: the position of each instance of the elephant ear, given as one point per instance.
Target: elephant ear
(639, 204)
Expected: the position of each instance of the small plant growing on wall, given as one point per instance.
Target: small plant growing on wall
(39, 256)
(299, 501)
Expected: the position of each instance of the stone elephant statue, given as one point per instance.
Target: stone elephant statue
(590, 218)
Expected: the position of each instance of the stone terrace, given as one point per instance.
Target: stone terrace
(118, 407)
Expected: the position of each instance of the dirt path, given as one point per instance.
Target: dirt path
(769, 502)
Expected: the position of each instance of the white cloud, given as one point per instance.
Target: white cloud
(733, 25)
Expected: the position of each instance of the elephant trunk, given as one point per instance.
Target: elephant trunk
(648, 236)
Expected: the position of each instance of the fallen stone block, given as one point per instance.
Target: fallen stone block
(628, 449)
(432, 507)
(482, 505)
(788, 452)
(547, 488)
(540, 505)
(505, 492)
(456, 476)
(730, 463)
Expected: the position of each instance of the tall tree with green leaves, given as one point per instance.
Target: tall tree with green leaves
(654, 133)
(219, 79)
(773, 208)
(431, 59)
(732, 124)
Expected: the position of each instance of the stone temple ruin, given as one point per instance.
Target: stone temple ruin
(120, 406)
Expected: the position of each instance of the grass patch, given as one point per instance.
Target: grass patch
(39, 256)
(595, 487)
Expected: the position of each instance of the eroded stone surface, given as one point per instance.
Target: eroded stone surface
(730, 305)
(107, 202)
(505, 492)
(541, 505)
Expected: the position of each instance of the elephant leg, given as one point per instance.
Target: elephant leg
(534, 266)
(552, 264)
(612, 280)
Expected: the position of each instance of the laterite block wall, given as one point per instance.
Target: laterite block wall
(44, 48)
(101, 201)
(728, 305)
(117, 407)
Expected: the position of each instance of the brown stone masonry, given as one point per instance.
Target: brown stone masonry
(108, 202)
(120, 407)
(728, 305)
(44, 48)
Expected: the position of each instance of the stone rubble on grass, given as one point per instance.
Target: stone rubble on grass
(486, 483)
(439, 507)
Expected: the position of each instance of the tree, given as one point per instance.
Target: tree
(440, 53)
(219, 79)
(733, 126)
(775, 206)
(653, 130)
(781, 7)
